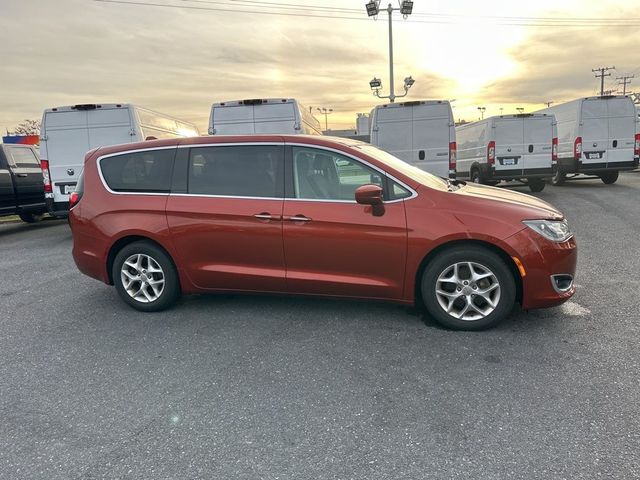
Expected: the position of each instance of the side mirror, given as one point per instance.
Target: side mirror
(371, 195)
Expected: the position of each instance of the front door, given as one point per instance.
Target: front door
(226, 226)
(333, 245)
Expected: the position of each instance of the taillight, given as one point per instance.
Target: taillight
(554, 150)
(577, 148)
(74, 198)
(44, 165)
(453, 157)
(491, 153)
(636, 150)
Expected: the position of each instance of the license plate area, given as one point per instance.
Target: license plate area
(594, 155)
(67, 188)
(509, 161)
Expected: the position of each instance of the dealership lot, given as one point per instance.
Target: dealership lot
(270, 387)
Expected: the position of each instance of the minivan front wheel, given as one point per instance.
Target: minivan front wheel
(468, 288)
(145, 277)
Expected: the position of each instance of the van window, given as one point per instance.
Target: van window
(321, 174)
(237, 171)
(24, 157)
(147, 171)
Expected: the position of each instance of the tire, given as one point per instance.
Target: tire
(536, 184)
(147, 265)
(558, 178)
(609, 177)
(30, 217)
(441, 271)
(476, 175)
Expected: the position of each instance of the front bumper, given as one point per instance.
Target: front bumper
(542, 261)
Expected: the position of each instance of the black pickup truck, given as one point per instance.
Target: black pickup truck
(21, 183)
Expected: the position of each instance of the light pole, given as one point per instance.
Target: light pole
(373, 9)
(520, 110)
(326, 112)
(482, 110)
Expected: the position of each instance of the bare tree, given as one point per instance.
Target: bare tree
(27, 127)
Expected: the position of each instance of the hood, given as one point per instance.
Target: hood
(530, 206)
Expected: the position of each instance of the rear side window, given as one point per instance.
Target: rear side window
(23, 157)
(148, 171)
(238, 171)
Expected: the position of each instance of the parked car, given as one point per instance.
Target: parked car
(313, 216)
(421, 133)
(508, 147)
(286, 116)
(21, 183)
(596, 136)
(70, 132)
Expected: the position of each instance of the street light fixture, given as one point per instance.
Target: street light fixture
(373, 9)
(520, 110)
(482, 110)
(326, 112)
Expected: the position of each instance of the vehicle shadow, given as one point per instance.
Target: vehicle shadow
(11, 228)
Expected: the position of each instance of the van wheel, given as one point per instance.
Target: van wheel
(609, 177)
(558, 178)
(536, 184)
(468, 288)
(145, 277)
(476, 175)
(30, 217)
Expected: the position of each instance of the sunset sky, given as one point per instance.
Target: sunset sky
(179, 56)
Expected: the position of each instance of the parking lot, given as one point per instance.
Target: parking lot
(287, 388)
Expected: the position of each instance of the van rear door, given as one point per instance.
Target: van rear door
(595, 133)
(276, 118)
(232, 120)
(393, 132)
(622, 126)
(538, 136)
(431, 132)
(509, 138)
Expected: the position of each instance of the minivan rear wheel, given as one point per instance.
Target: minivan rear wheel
(609, 177)
(468, 288)
(145, 277)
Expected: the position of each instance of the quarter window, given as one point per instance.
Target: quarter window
(239, 171)
(147, 171)
(321, 174)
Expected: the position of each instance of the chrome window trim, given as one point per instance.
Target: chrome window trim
(414, 194)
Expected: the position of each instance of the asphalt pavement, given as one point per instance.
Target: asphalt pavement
(263, 387)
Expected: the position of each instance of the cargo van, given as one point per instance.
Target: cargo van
(508, 147)
(67, 133)
(421, 133)
(283, 116)
(596, 136)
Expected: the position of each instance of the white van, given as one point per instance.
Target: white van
(508, 147)
(284, 116)
(421, 133)
(67, 133)
(597, 136)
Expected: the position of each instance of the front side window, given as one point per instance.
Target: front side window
(325, 175)
(147, 171)
(237, 171)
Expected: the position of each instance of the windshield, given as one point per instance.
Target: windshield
(403, 167)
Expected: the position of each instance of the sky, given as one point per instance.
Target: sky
(180, 56)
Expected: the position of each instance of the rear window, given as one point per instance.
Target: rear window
(148, 171)
(24, 157)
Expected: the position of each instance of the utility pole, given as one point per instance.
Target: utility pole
(625, 79)
(326, 112)
(602, 75)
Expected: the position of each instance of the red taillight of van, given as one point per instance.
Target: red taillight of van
(636, 150)
(491, 153)
(577, 148)
(453, 157)
(554, 149)
(44, 165)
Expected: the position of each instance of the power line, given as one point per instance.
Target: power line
(290, 11)
(625, 80)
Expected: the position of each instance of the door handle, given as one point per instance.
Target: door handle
(266, 216)
(298, 218)
(21, 175)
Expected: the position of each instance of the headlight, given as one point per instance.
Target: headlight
(554, 230)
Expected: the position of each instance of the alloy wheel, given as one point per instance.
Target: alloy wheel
(142, 278)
